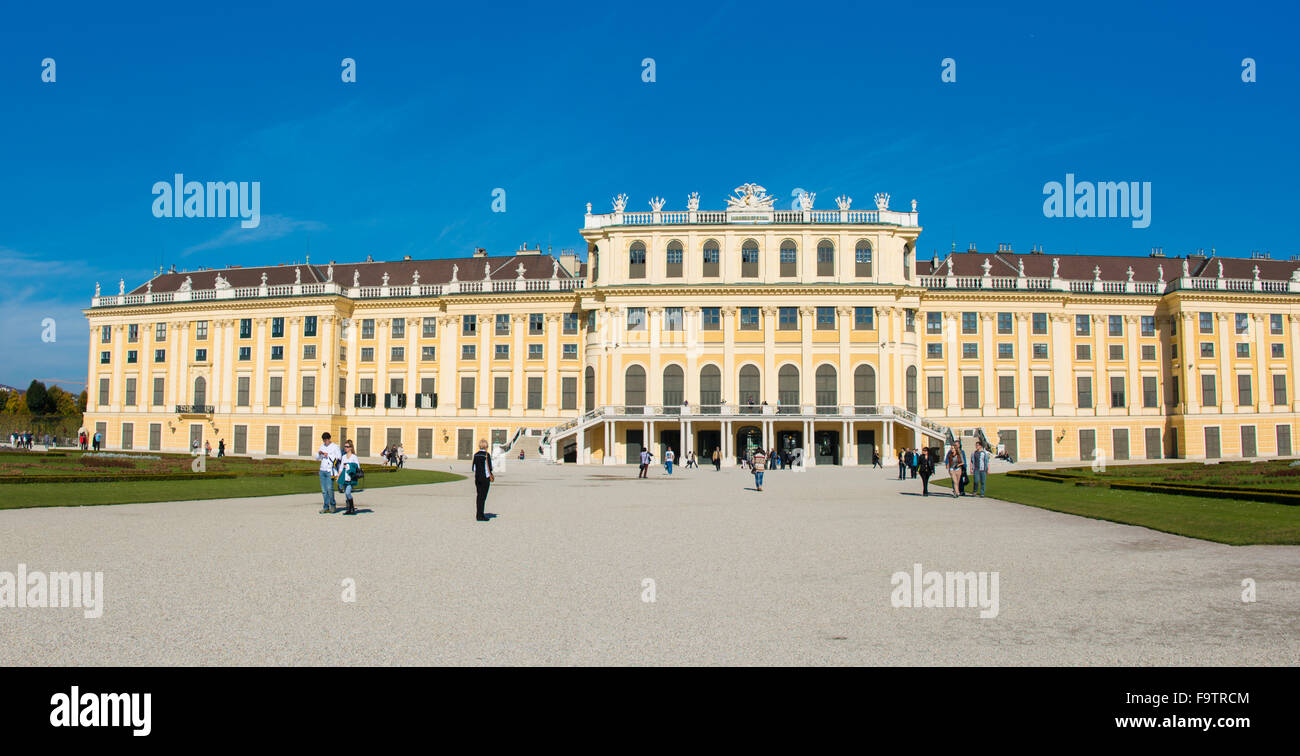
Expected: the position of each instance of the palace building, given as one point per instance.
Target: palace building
(816, 330)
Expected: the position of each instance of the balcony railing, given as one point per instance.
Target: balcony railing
(504, 285)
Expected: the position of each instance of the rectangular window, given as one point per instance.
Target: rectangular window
(1148, 325)
(469, 325)
(1245, 390)
(1082, 352)
(568, 393)
(636, 318)
(1275, 325)
(749, 319)
(309, 352)
(1243, 349)
(1116, 325)
(1082, 325)
(570, 352)
(1209, 390)
(1278, 351)
(1207, 348)
(909, 320)
(501, 392)
(132, 356)
(368, 328)
(1206, 322)
(129, 399)
(467, 392)
(934, 350)
(534, 393)
(103, 392)
(468, 351)
(1148, 351)
(826, 318)
(246, 328)
(970, 385)
(428, 354)
(367, 354)
(274, 391)
(1085, 392)
(970, 350)
(503, 324)
(1040, 351)
(200, 355)
(201, 330)
(501, 352)
(535, 351)
(1279, 389)
(710, 319)
(309, 325)
(1005, 352)
(397, 329)
(277, 353)
(1040, 323)
(105, 334)
(105, 357)
(308, 391)
(277, 328)
(934, 392)
(1006, 392)
(674, 319)
(160, 332)
(241, 391)
(570, 323)
(1149, 395)
(969, 322)
(1042, 399)
(430, 328)
(1117, 391)
(788, 318)
(160, 355)
(133, 333)
(536, 324)
(1005, 322)
(1116, 351)
(864, 318)
(157, 392)
(1242, 323)
(934, 322)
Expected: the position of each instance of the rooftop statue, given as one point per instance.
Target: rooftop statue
(297, 276)
(329, 273)
(693, 201)
(385, 278)
(487, 271)
(657, 203)
(264, 278)
(882, 200)
(620, 202)
(1056, 267)
(843, 202)
(750, 197)
(187, 284)
(415, 278)
(519, 272)
(1187, 270)
(455, 269)
(221, 283)
(356, 278)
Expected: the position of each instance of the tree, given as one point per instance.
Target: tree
(83, 400)
(38, 399)
(15, 404)
(65, 404)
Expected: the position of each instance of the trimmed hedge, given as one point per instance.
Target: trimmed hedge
(1206, 490)
(147, 477)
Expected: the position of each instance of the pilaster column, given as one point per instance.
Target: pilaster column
(1133, 381)
(988, 374)
(768, 386)
(412, 364)
(260, 359)
(293, 380)
(518, 383)
(1024, 380)
(1227, 389)
(1064, 398)
(730, 387)
(552, 388)
(844, 324)
(807, 384)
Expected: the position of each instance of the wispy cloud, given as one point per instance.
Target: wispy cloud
(272, 227)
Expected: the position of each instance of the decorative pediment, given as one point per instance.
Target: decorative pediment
(750, 197)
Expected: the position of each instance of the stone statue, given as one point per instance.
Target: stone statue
(1220, 269)
(1096, 272)
(121, 284)
(1022, 267)
(519, 272)
(1130, 274)
(1187, 269)
(148, 288)
(656, 204)
(264, 278)
(913, 205)
(844, 202)
(329, 273)
(987, 266)
(221, 283)
(487, 271)
(97, 288)
(1160, 273)
(454, 270)
(620, 202)
(588, 208)
(187, 284)
(1056, 267)
(297, 276)
(806, 200)
(693, 201)
(356, 278)
(555, 268)
(415, 278)
(385, 283)
(882, 201)
(1256, 272)
(750, 197)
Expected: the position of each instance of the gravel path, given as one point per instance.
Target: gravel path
(798, 574)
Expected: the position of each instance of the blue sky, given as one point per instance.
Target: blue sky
(547, 102)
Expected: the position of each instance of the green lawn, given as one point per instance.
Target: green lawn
(297, 480)
(1227, 521)
(1265, 474)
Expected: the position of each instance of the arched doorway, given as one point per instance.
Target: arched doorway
(748, 438)
(200, 392)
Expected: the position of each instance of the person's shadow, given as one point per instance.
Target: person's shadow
(490, 515)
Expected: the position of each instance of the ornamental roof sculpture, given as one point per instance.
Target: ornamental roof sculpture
(844, 202)
(806, 201)
(750, 197)
(693, 201)
(620, 202)
(657, 203)
(882, 200)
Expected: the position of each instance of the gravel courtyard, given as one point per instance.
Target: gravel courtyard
(799, 574)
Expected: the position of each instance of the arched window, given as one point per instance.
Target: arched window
(711, 257)
(750, 389)
(787, 389)
(825, 258)
(634, 389)
(827, 395)
(789, 258)
(673, 259)
(710, 389)
(864, 389)
(590, 378)
(200, 392)
(862, 259)
(749, 259)
(636, 260)
(911, 388)
(674, 387)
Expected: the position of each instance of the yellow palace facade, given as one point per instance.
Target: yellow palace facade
(815, 331)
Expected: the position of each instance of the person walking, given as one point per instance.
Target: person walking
(221, 448)
(668, 460)
(207, 448)
(955, 461)
(912, 461)
(401, 456)
(979, 469)
(483, 478)
(717, 461)
(645, 462)
(349, 476)
(328, 455)
(902, 465)
(875, 459)
(925, 468)
(758, 463)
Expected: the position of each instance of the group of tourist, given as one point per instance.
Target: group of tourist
(908, 461)
(338, 468)
(963, 471)
(395, 456)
